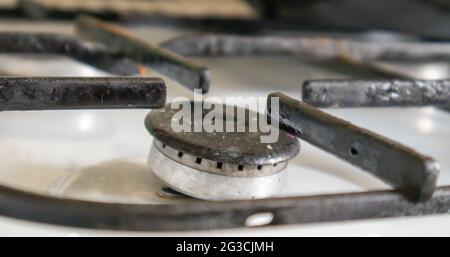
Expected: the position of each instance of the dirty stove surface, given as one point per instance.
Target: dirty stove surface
(101, 155)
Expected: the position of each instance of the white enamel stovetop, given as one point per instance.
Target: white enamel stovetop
(101, 155)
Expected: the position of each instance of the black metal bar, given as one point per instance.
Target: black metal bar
(375, 93)
(54, 93)
(237, 45)
(47, 43)
(314, 47)
(412, 173)
(200, 215)
(37, 10)
(187, 72)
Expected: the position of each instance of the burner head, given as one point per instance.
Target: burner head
(218, 165)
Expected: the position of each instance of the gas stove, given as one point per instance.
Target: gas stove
(98, 172)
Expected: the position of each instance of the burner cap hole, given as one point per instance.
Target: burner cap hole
(198, 160)
(353, 151)
(240, 167)
(259, 167)
(180, 154)
(259, 219)
(219, 165)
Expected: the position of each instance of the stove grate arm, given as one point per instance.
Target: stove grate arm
(376, 93)
(403, 168)
(56, 93)
(185, 71)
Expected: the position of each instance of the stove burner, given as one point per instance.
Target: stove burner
(218, 165)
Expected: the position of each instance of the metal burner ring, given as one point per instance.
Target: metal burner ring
(209, 186)
(217, 167)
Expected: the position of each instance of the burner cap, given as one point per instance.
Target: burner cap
(218, 165)
(228, 147)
